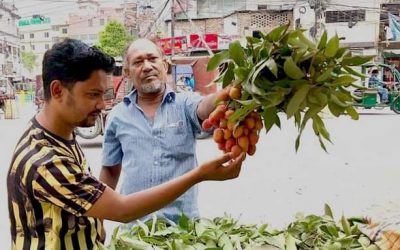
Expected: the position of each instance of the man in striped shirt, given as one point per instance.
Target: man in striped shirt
(54, 201)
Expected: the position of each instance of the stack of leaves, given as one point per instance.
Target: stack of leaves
(310, 232)
(284, 71)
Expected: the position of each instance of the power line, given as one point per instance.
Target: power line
(158, 17)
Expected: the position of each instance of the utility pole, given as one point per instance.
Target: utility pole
(172, 29)
(318, 11)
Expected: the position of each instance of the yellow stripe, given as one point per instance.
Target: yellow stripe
(68, 241)
(82, 239)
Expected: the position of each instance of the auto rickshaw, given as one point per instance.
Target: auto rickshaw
(370, 98)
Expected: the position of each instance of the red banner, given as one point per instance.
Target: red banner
(210, 39)
(166, 45)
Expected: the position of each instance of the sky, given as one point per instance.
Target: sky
(27, 8)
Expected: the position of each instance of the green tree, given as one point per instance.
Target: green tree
(114, 38)
(28, 59)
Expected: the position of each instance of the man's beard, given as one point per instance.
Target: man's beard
(89, 120)
(152, 87)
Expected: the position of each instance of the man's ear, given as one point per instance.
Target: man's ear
(56, 89)
(166, 65)
(126, 73)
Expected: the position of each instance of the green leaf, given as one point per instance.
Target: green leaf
(292, 70)
(328, 211)
(344, 80)
(332, 47)
(271, 64)
(327, 74)
(341, 52)
(352, 112)
(144, 227)
(184, 222)
(269, 116)
(335, 109)
(296, 100)
(225, 242)
(353, 72)
(321, 128)
(305, 40)
(323, 40)
(297, 143)
(237, 53)
(241, 73)
(338, 102)
(217, 59)
(321, 143)
(257, 69)
(333, 230)
(346, 226)
(229, 75)
(277, 33)
(290, 242)
(356, 60)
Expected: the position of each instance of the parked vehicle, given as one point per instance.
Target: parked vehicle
(369, 97)
(7, 91)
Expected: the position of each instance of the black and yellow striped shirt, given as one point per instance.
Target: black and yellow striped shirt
(50, 187)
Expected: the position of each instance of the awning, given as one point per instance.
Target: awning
(390, 55)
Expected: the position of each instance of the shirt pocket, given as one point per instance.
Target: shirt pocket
(176, 135)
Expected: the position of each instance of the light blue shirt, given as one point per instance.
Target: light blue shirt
(152, 152)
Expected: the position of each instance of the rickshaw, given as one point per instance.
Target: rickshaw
(368, 97)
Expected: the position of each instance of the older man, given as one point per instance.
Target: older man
(153, 125)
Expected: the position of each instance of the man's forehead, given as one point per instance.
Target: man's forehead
(143, 48)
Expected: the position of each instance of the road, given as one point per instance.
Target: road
(359, 175)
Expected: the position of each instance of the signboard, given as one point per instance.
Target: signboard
(214, 41)
(33, 21)
(210, 39)
(225, 40)
(180, 45)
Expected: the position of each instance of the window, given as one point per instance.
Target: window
(64, 30)
(23, 47)
(46, 34)
(46, 46)
(102, 21)
(32, 47)
(22, 36)
(31, 35)
(90, 22)
(92, 36)
(344, 16)
(262, 7)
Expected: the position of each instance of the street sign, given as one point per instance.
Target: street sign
(33, 21)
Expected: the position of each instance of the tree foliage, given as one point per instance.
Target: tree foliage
(28, 60)
(114, 38)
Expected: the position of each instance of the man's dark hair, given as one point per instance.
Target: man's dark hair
(70, 61)
(375, 71)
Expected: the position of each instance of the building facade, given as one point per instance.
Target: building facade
(91, 19)
(10, 65)
(38, 34)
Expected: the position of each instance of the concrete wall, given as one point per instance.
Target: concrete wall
(363, 34)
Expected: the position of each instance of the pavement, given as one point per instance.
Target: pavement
(358, 176)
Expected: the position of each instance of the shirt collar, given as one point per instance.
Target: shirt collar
(169, 96)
